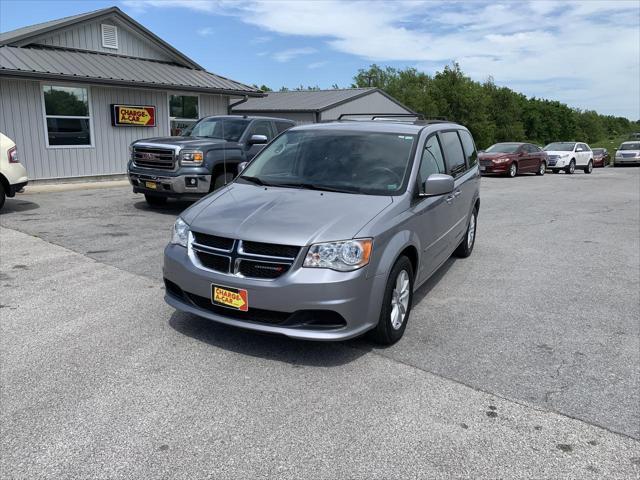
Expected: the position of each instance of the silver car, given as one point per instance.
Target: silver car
(327, 233)
(627, 154)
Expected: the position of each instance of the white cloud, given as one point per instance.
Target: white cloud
(582, 53)
(205, 32)
(291, 53)
(315, 65)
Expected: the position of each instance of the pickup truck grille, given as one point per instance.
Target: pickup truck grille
(156, 158)
(242, 258)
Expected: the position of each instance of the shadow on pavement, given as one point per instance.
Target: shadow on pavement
(270, 347)
(13, 205)
(170, 208)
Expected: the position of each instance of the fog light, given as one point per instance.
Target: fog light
(191, 181)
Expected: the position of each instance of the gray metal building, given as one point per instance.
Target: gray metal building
(310, 106)
(75, 92)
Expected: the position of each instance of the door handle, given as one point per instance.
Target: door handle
(456, 193)
(448, 199)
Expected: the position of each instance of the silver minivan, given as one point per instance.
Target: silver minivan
(327, 233)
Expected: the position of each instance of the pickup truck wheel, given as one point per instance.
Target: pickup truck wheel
(541, 169)
(221, 180)
(571, 168)
(589, 167)
(155, 200)
(396, 304)
(466, 246)
(3, 195)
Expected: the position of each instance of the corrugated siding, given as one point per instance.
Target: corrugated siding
(373, 103)
(300, 118)
(21, 119)
(88, 36)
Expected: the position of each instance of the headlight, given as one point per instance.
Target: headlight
(191, 157)
(343, 256)
(564, 155)
(502, 160)
(180, 233)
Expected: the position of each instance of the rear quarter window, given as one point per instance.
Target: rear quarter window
(469, 147)
(453, 153)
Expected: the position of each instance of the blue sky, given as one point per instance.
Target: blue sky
(586, 54)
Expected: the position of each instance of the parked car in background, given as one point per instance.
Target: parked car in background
(13, 176)
(568, 156)
(512, 158)
(601, 157)
(627, 154)
(204, 158)
(328, 232)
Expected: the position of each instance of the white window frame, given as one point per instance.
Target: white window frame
(181, 94)
(45, 116)
(115, 27)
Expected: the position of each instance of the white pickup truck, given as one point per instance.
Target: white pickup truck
(13, 176)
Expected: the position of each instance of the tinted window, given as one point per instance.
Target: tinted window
(469, 147)
(432, 159)
(560, 147)
(261, 127)
(231, 129)
(453, 153)
(503, 148)
(283, 126)
(534, 148)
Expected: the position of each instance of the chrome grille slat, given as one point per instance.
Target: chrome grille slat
(153, 157)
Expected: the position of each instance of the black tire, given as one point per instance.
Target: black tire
(571, 168)
(589, 168)
(221, 180)
(513, 170)
(466, 246)
(3, 195)
(155, 200)
(385, 333)
(542, 169)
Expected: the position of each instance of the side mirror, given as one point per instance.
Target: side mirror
(257, 139)
(437, 184)
(242, 166)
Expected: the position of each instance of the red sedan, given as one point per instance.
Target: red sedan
(513, 158)
(600, 157)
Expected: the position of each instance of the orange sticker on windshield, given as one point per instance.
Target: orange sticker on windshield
(236, 298)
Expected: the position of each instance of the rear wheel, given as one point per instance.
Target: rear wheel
(396, 304)
(221, 180)
(571, 168)
(155, 200)
(3, 195)
(542, 169)
(513, 170)
(589, 167)
(466, 246)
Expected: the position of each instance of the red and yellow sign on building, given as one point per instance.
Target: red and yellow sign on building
(133, 115)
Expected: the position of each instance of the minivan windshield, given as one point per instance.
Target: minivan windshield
(229, 129)
(345, 161)
(560, 147)
(503, 148)
(630, 146)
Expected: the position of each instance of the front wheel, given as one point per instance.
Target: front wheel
(589, 167)
(466, 246)
(513, 170)
(396, 303)
(571, 168)
(155, 200)
(542, 169)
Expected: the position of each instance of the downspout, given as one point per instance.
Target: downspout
(232, 105)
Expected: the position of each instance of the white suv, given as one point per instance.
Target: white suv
(13, 176)
(568, 156)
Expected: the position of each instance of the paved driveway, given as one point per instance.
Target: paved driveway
(521, 361)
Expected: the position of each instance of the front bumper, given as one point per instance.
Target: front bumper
(495, 167)
(557, 163)
(183, 184)
(354, 296)
(16, 187)
(626, 161)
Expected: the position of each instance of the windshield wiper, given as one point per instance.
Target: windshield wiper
(255, 180)
(314, 186)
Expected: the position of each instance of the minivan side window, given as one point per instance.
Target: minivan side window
(469, 148)
(282, 126)
(432, 159)
(261, 127)
(453, 153)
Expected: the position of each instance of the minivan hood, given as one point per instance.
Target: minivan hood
(189, 142)
(286, 216)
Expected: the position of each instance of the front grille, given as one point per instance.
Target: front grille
(485, 163)
(628, 155)
(258, 269)
(270, 249)
(552, 162)
(156, 158)
(214, 262)
(213, 241)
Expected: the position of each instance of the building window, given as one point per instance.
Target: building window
(183, 112)
(67, 116)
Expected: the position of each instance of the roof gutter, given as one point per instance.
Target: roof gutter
(231, 105)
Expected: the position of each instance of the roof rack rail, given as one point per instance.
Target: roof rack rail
(381, 116)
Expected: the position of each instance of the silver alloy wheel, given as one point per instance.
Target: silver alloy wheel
(590, 166)
(400, 299)
(513, 170)
(572, 166)
(471, 233)
(543, 168)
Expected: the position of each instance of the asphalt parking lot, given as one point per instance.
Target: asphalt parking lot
(519, 362)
